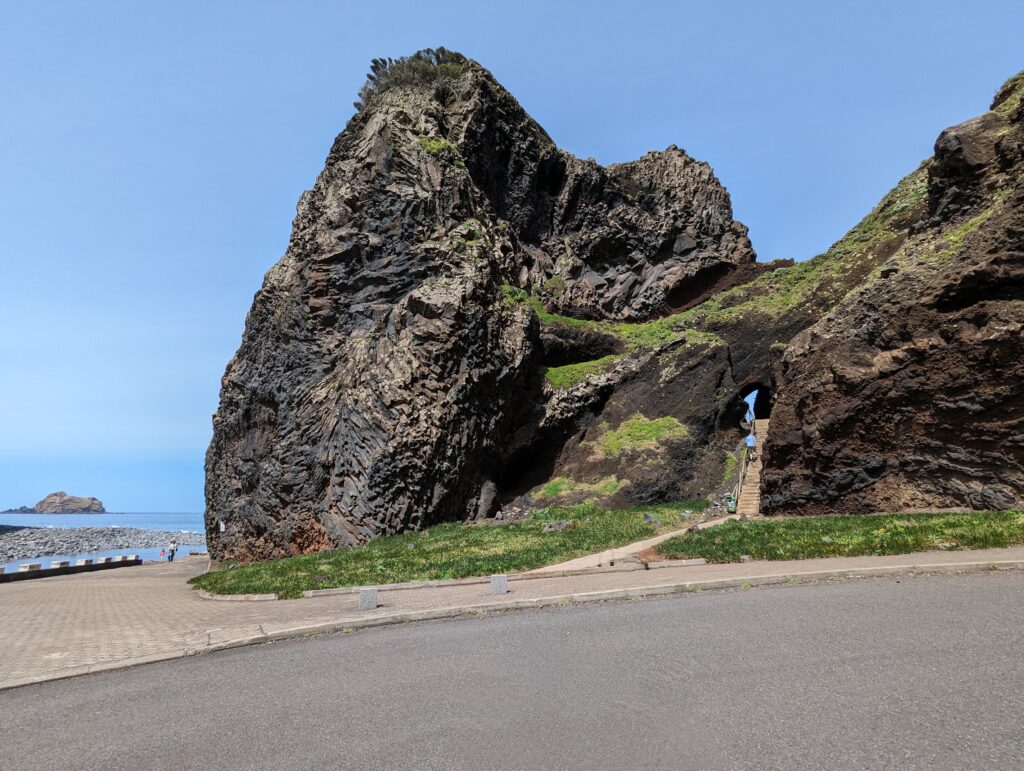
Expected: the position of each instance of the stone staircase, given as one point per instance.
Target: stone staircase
(749, 502)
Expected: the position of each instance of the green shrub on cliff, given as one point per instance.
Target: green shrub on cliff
(443, 149)
(431, 66)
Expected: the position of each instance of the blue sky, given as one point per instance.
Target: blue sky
(152, 154)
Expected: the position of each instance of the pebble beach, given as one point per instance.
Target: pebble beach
(20, 542)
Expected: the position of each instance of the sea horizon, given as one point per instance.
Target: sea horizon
(171, 522)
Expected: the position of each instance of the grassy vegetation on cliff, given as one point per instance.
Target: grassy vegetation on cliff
(822, 281)
(569, 374)
(637, 336)
(560, 486)
(453, 551)
(953, 239)
(639, 433)
(830, 275)
(1011, 93)
(809, 537)
(731, 464)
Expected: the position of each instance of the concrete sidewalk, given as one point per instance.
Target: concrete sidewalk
(612, 556)
(72, 625)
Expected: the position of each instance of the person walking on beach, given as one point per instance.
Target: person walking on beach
(172, 549)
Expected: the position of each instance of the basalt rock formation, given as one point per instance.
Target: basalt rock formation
(391, 363)
(62, 503)
(910, 394)
(467, 315)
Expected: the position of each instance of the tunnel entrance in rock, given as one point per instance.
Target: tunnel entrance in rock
(758, 398)
(752, 402)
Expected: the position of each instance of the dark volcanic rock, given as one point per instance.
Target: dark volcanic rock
(62, 503)
(911, 394)
(385, 377)
(469, 321)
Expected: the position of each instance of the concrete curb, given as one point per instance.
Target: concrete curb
(65, 568)
(354, 623)
(236, 597)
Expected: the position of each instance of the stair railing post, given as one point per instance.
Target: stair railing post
(743, 473)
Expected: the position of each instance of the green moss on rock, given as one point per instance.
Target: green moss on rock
(561, 486)
(638, 433)
(1009, 96)
(443, 149)
(569, 374)
(729, 470)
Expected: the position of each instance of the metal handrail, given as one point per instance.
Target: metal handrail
(743, 473)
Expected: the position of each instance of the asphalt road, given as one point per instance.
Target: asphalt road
(925, 672)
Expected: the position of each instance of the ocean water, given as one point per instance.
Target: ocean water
(175, 522)
(192, 523)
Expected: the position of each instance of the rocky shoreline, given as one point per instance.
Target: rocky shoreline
(18, 542)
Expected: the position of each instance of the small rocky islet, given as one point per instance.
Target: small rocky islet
(22, 541)
(62, 503)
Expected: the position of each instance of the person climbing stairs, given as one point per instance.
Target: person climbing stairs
(749, 502)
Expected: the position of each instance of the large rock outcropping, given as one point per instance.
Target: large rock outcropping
(467, 315)
(62, 503)
(910, 394)
(390, 368)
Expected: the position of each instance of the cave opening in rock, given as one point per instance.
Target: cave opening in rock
(527, 469)
(759, 401)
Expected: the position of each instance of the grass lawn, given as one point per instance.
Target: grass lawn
(453, 551)
(808, 537)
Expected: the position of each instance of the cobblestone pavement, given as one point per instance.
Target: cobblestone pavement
(70, 625)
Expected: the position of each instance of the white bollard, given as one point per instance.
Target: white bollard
(83, 562)
(29, 568)
(104, 560)
(368, 598)
(499, 584)
(60, 564)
